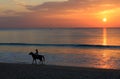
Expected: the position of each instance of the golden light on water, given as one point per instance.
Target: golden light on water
(104, 36)
(105, 60)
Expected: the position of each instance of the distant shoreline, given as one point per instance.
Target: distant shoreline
(29, 71)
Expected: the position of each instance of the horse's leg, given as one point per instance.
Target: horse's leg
(33, 61)
(43, 60)
(39, 61)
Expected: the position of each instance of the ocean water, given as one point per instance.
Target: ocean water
(98, 48)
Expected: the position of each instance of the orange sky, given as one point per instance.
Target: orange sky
(64, 13)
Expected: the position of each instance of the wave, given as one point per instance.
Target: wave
(60, 45)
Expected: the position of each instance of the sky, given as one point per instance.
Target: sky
(59, 13)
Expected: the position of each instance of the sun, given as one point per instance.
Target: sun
(104, 19)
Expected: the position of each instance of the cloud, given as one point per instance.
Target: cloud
(73, 7)
(9, 12)
(71, 4)
(19, 2)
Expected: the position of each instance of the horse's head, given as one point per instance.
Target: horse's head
(31, 53)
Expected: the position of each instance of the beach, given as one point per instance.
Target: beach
(30, 71)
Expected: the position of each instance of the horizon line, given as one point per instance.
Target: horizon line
(64, 28)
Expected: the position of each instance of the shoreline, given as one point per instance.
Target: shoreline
(29, 71)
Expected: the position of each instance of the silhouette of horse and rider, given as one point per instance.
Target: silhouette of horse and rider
(36, 57)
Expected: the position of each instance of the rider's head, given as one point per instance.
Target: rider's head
(36, 50)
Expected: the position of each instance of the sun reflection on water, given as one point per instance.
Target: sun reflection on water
(104, 36)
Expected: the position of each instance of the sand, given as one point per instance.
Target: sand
(29, 71)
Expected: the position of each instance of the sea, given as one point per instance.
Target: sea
(79, 47)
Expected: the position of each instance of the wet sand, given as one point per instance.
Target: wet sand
(29, 71)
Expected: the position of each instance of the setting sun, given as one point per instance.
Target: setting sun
(104, 19)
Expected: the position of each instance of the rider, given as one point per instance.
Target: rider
(36, 51)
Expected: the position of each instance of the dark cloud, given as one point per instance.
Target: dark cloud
(6, 22)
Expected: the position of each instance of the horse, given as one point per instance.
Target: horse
(39, 57)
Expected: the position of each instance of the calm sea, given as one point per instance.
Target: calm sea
(99, 48)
